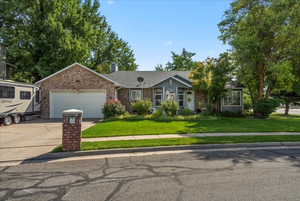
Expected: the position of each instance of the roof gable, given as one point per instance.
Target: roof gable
(82, 66)
(176, 79)
(128, 79)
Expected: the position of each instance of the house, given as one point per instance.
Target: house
(79, 87)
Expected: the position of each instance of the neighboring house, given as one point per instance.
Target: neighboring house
(79, 87)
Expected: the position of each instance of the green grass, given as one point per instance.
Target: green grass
(185, 141)
(276, 123)
(59, 148)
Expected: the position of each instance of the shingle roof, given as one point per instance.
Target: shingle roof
(82, 66)
(128, 79)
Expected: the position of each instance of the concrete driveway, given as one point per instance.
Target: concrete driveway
(292, 111)
(30, 139)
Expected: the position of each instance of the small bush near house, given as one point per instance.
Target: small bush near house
(113, 108)
(142, 107)
(263, 108)
(157, 114)
(232, 114)
(247, 103)
(186, 112)
(170, 107)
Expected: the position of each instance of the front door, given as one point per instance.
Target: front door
(190, 100)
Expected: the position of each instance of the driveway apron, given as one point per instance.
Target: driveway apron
(31, 139)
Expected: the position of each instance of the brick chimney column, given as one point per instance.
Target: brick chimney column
(71, 138)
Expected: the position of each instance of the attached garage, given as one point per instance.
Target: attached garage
(91, 103)
(75, 87)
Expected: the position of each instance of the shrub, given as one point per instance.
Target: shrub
(142, 107)
(186, 112)
(113, 108)
(170, 107)
(264, 107)
(232, 114)
(247, 102)
(157, 114)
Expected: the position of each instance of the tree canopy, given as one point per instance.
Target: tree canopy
(211, 76)
(180, 62)
(44, 36)
(264, 35)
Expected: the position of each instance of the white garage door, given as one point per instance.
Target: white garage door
(91, 103)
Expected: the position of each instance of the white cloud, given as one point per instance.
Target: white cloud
(168, 43)
(111, 2)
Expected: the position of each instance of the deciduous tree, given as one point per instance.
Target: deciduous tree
(211, 76)
(257, 31)
(44, 36)
(180, 62)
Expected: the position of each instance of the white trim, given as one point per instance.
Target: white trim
(184, 97)
(234, 87)
(78, 91)
(241, 102)
(182, 82)
(154, 94)
(82, 66)
(172, 77)
(13, 83)
(130, 94)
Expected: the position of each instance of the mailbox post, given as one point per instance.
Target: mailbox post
(71, 130)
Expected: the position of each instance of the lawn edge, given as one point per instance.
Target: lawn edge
(60, 155)
(191, 133)
(188, 141)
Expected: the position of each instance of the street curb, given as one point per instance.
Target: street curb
(64, 155)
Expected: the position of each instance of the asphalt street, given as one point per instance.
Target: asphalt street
(222, 175)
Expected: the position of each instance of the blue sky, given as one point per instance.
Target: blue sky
(154, 28)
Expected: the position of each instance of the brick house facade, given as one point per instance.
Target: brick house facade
(124, 97)
(75, 78)
(123, 85)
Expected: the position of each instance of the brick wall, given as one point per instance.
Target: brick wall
(148, 94)
(199, 100)
(123, 96)
(71, 138)
(75, 78)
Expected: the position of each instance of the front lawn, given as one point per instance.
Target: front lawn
(276, 123)
(185, 141)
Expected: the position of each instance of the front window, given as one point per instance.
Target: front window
(7, 92)
(158, 94)
(180, 97)
(25, 95)
(233, 98)
(135, 94)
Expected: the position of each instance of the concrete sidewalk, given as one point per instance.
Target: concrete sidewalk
(144, 137)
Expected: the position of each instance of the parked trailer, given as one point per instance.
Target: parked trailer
(18, 100)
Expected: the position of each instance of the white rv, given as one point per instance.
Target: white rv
(18, 100)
